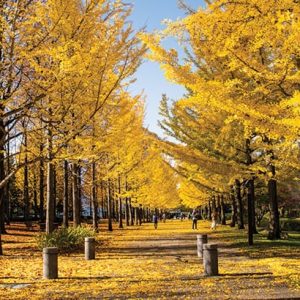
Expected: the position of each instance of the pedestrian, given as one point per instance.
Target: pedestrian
(164, 217)
(155, 220)
(194, 219)
(214, 219)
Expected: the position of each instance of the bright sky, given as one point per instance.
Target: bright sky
(150, 78)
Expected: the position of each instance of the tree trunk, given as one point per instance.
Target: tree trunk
(222, 212)
(120, 203)
(35, 201)
(233, 208)
(50, 187)
(66, 195)
(7, 198)
(274, 225)
(130, 213)
(136, 217)
(109, 216)
(26, 183)
(240, 210)
(79, 192)
(41, 185)
(209, 211)
(140, 214)
(94, 198)
(126, 212)
(250, 198)
(76, 202)
(219, 209)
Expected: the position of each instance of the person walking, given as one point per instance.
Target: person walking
(194, 219)
(214, 219)
(155, 220)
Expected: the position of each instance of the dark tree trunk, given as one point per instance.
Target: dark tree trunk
(94, 198)
(54, 193)
(50, 187)
(7, 198)
(126, 212)
(209, 213)
(274, 225)
(76, 199)
(79, 191)
(35, 201)
(26, 183)
(240, 212)
(140, 214)
(233, 208)
(109, 215)
(66, 195)
(41, 185)
(222, 213)
(219, 209)
(250, 198)
(131, 221)
(136, 217)
(120, 203)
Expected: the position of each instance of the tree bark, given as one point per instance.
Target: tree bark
(26, 183)
(274, 225)
(66, 195)
(50, 187)
(222, 214)
(109, 215)
(41, 185)
(120, 203)
(233, 208)
(94, 198)
(131, 222)
(240, 212)
(209, 213)
(76, 200)
(250, 198)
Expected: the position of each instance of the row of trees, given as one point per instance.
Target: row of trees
(68, 127)
(237, 127)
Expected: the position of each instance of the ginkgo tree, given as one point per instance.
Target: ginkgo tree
(242, 61)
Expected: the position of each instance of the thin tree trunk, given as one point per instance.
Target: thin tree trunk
(120, 203)
(76, 202)
(223, 216)
(7, 198)
(126, 212)
(274, 225)
(130, 213)
(233, 208)
(41, 185)
(240, 212)
(94, 198)
(136, 218)
(109, 215)
(50, 187)
(66, 195)
(209, 213)
(26, 183)
(250, 197)
(140, 214)
(35, 201)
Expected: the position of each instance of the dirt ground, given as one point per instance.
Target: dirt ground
(144, 263)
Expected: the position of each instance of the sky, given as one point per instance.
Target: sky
(150, 79)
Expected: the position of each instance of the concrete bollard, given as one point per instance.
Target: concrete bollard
(201, 239)
(89, 248)
(210, 259)
(50, 265)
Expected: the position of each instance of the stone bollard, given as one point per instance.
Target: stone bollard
(210, 259)
(89, 248)
(201, 239)
(50, 265)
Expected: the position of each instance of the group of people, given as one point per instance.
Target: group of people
(195, 216)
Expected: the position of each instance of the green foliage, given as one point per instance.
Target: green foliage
(65, 239)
